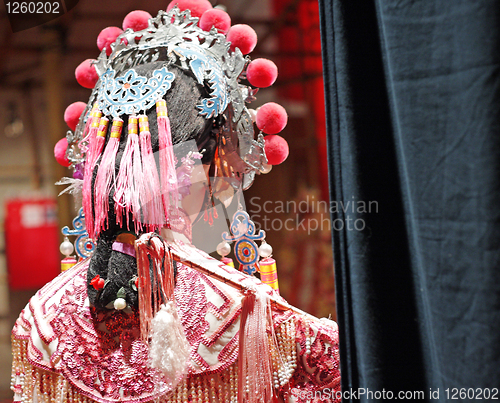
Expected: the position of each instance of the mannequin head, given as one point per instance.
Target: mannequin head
(198, 74)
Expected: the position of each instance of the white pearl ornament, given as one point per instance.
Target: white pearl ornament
(223, 249)
(265, 250)
(120, 304)
(66, 247)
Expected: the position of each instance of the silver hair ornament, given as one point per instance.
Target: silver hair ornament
(176, 38)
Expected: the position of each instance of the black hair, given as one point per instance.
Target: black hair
(186, 124)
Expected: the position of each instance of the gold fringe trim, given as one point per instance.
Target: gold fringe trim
(30, 383)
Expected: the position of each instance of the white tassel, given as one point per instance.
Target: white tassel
(75, 188)
(169, 348)
(75, 185)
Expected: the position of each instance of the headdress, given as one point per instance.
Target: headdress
(173, 38)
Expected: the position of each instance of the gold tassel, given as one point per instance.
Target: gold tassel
(269, 273)
(51, 387)
(67, 263)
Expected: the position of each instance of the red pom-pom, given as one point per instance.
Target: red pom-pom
(137, 20)
(60, 152)
(271, 118)
(262, 73)
(107, 37)
(97, 282)
(86, 74)
(215, 18)
(72, 114)
(197, 7)
(242, 36)
(276, 149)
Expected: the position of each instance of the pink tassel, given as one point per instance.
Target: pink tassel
(97, 135)
(138, 181)
(129, 177)
(106, 177)
(159, 319)
(170, 194)
(151, 202)
(254, 361)
(86, 131)
(155, 291)
(144, 285)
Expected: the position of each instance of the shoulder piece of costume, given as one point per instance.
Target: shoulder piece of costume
(101, 355)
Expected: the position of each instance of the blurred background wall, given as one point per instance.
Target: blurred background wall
(37, 83)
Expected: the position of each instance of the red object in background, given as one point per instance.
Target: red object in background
(301, 36)
(32, 242)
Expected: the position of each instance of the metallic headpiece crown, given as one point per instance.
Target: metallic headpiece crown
(176, 38)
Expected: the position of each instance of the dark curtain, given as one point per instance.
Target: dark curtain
(413, 111)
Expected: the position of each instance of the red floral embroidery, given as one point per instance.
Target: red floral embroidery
(97, 282)
(194, 308)
(102, 352)
(319, 370)
(192, 304)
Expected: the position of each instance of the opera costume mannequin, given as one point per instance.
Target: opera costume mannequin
(149, 317)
